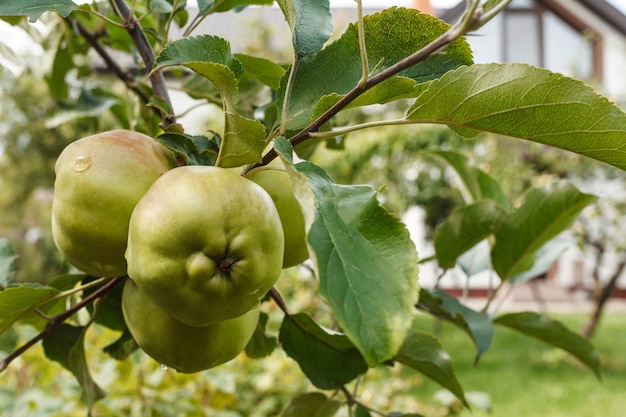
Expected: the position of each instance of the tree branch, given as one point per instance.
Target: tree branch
(438, 44)
(138, 36)
(126, 76)
(60, 319)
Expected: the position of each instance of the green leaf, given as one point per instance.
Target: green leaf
(424, 353)
(7, 262)
(212, 6)
(261, 344)
(554, 333)
(108, 309)
(310, 22)
(475, 184)
(226, 5)
(122, 347)
(266, 71)
(161, 6)
(390, 36)
(65, 282)
(205, 49)
(477, 325)
(62, 64)
(312, 404)
(8, 341)
(545, 213)
(475, 260)
(544, 259)
(35, 8)
(89, 104)
(464, 228)
(65, 345)
(529, 103)
(361, 411)
(366, 264)
(194, 150)
(17, 302)
(243, 139)
(328, 359)
(490, 189)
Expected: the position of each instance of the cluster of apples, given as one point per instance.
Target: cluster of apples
(201, 245)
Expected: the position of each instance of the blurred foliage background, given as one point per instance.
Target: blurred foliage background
(392, 160)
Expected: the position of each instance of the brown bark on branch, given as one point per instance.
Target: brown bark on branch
(123, 75)
(138, 36)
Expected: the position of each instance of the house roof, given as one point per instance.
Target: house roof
(602, 8)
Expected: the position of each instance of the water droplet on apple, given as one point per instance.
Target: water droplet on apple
(164, 367)
(82, 163)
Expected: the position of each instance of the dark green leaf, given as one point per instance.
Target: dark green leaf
(544, 214)
(66, 346)
(554, 333)
(122, 347)
(194, 150)
(361, 411)
(464, 228)
(8, 341)
(477, 325)
(310, 22)
(107, 309)
(7, 262)
(261, 344)
(366, 264)
(390, 36)
(312, 404)
(35, 8)
(424, 353)
(62, 64)
(328, 359)
(529, 103)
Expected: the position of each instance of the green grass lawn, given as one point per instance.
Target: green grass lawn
(526, 378)
(523, 378)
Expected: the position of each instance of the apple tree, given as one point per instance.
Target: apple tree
(177, 239)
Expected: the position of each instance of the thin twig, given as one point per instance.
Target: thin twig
(123, 75)
(138, 36)
(60, 319)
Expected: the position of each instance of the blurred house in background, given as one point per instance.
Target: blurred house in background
(584, 39)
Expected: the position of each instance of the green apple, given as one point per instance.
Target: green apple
(275, 180)
(99, 180)
(180, 346)
(205, 244)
